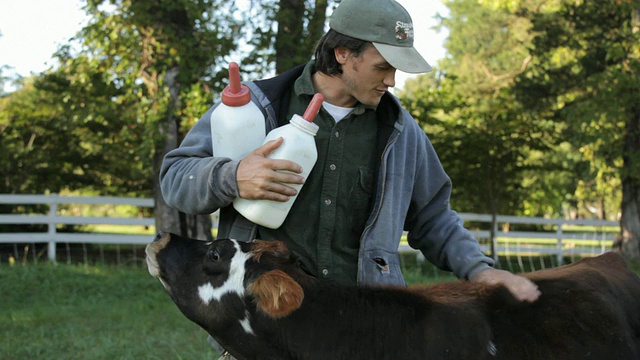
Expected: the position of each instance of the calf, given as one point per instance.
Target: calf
(254, 299)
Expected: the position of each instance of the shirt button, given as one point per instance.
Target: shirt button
(327, 202)
(337, 134)
(332, 166)
(325, 272)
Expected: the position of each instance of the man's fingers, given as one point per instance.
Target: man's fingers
(265, 190)
(275, 164)
(259, 179)
(264, 187)
(268, 147)
(520, 287)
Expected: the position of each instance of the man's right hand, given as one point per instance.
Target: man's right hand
(259, 177)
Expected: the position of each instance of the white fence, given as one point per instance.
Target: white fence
(566, 237)
(52, 219)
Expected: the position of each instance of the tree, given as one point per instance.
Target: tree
(62, 131)
(588, 76)
(164, 56)
(282, 33)
(488, 143)
(630, 219)
(294, 42)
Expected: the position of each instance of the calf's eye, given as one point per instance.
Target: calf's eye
(214, 255)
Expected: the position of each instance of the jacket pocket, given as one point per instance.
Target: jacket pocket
(382, 268)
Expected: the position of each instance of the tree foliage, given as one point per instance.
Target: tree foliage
(58, 133)
(589, 78)
(487, 141)
(283, 33)
(536, 108)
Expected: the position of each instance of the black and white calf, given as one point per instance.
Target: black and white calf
(257, 303)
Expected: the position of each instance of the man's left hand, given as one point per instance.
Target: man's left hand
(522, 288)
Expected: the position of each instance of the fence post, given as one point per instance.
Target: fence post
(559, 254)
(53, 210)
(494, 238)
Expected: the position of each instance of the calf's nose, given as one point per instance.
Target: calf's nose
(152, 249)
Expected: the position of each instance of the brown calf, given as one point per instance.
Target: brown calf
(255, 300)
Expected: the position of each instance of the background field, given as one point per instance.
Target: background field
(92, 312)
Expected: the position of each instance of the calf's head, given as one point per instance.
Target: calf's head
(225, 281)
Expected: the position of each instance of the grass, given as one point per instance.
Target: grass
(84, 312)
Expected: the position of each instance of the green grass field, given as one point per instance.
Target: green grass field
(84, 312)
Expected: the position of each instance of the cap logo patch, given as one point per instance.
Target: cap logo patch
(404, 30)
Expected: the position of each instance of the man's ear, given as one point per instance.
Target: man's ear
(276, 293)
(342, 55)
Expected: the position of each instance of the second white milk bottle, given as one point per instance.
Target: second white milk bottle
(298, 146)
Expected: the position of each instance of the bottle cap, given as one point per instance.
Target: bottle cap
(314, 107)
(235, 94)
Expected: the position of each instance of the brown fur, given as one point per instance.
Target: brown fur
(454, 291)
(277, 294)
(277, 248)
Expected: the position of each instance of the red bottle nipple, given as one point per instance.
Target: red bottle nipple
(235, 94)
(313, 108)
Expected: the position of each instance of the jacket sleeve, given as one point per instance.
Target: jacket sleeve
(192, 180)
(433, 227)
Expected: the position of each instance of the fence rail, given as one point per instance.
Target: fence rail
(53, 219)
(583, 237)
(589, 237)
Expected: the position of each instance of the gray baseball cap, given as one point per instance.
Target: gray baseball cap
(387, 25)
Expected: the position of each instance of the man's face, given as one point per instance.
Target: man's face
(365, 77)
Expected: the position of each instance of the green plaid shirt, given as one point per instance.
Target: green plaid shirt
(326, 221)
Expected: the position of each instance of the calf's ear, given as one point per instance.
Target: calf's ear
(276, 248)
(276, 293)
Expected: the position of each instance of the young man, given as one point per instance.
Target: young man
(377, 173)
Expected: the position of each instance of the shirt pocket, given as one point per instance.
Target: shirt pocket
(360, 198)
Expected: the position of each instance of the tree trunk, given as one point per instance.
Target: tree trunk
(317, 24)
(630, 219)
(290, 35)
(493, 205)
(293, 45)
(630, 209)
(167, 218)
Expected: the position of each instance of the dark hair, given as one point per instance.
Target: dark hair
(325, 56)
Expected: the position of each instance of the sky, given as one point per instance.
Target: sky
(32, 30)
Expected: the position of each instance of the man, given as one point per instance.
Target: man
(377, 173)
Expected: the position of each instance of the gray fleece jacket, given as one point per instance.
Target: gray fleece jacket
(412, 191)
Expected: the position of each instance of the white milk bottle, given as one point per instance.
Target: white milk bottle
(237, 125)
(298, 146)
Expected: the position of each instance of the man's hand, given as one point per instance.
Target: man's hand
(259, 177)
(522, 288)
